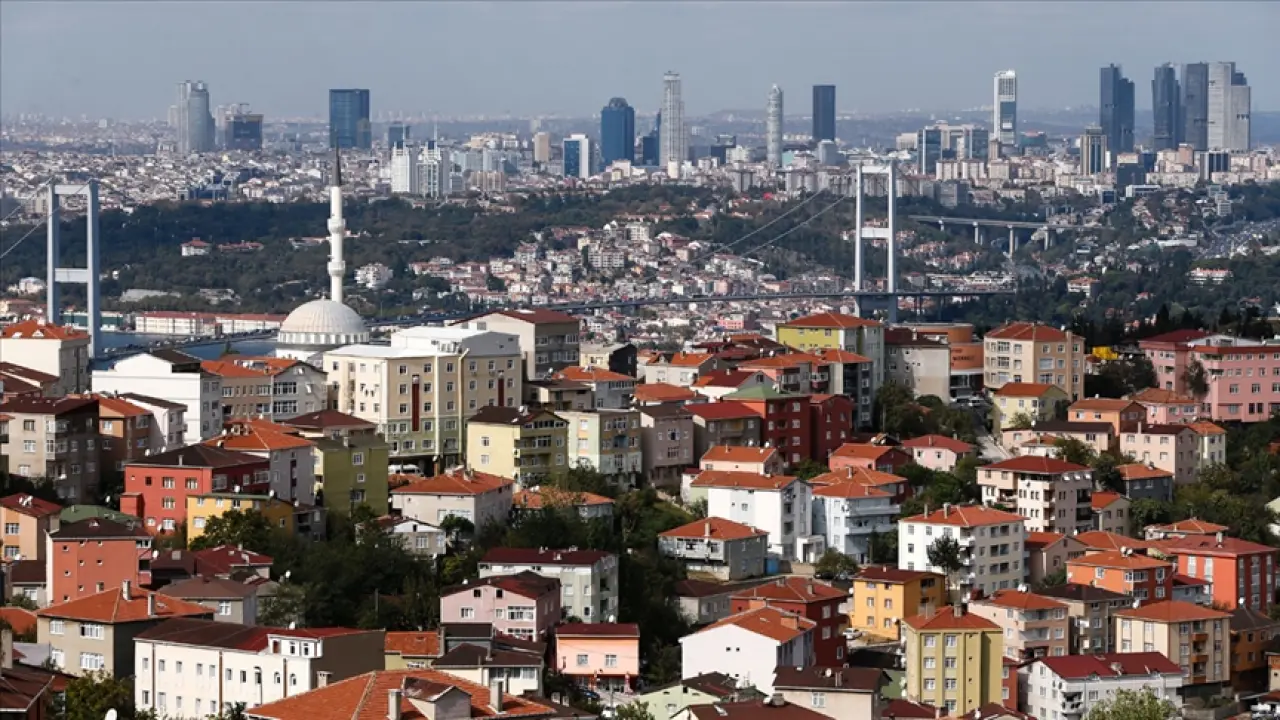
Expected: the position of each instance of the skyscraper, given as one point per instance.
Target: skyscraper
(1093, 151)
(673, 143)
(404, 170)
(617, 132)
(242, 130)
(1229, 108)
(398, 134)
(577, 156)
(773, 128)
(1004, 122)
(1195, 105)
(195, 126)
(1116, 111)
(542, 147)
(1165, 107)
(824, 113)
(349, 125)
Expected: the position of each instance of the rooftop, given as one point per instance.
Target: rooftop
(112, 606)
(1110, 665)
(777, 625)
(714, 528)
(1168, 611)
(948, 619)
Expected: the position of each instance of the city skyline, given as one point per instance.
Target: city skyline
(128, 83)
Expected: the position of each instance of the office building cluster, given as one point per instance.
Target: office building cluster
(1208, 108)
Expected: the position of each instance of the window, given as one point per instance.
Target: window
(92, 661)
(468, 613)
(224, 607)
(93, 631)
(12, 528)
(582, 661)
(611, 661)
(817, 699)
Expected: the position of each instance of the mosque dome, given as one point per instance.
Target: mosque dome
(322, 325)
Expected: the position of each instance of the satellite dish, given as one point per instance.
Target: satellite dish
(293, 625)
(287, 573)
(112, 714)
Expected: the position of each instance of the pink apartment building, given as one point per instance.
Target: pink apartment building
(603, 656)
(1174, 448)
(1243, 376)
(1166, 406)
(525, 605)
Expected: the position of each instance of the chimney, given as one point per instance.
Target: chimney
(151, 604)
(789, 621)
(776, 700)
(957, 611)
(1218, 537)
(706, 528)
(126, 590)
(393, 704)
(946, 509)
(322, 678)
(495, 695)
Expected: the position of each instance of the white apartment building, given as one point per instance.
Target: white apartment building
(1053, 495)
(846, 515)
(184, 668)
(749, 647)
(268, 387)
(1067, 688)
(588, 578)
(404, 171)
(57, 350)
(478, 497)
(169, 429)
(174, 376)
(778, 504)
(992, 545)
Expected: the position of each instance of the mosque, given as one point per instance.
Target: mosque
(320, 325)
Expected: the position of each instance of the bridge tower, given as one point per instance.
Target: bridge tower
(88, 275)
(887, 175)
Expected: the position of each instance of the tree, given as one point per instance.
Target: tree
(809, 469)
(1074, 450)
(1020, 421)
(22, 601)
(248, 529)
(1053, 580)
(944, 554)
(1196, 379)
(633, 711)
(233, 712)
(1133, 705)
(91, 696)
(456, 528)
(834, 564)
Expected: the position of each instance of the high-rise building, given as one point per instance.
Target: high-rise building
(824, 113)
(577, 156)
(1004, 121)
(617, 132)
(195, 126)
(1166, 108)
(435, 171)
(1093, 151)
(1229, 108)
(542, 147)
(242, 130)
(398, 134)
(404, 170)
(673, 145)
(773, 128)
(1195, 105)
(950, 142)
(1116, 111)
(349, 125)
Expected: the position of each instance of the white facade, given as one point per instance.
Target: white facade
(434, 173)
(1049, 695)
(746, 656)
(374, 276)
(847, 523)
(1229, 108)
(588, 591)
(673, 139)
(992, 545)
(582, 145)
(146, 374)
(480, 507)
(773, 128)
(404, 171)
(784, 513)
(169, 426)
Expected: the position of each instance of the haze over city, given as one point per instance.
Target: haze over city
(121, 60)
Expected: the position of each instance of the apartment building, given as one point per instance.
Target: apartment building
(96, 633)
(55, 438)
(87, 557)
(588, 578)
(1052, 494)
(649, 394)
(666, 443)
(290, 457)
(851, 375)
(881, 597)
(528, 445)
(1242, 375)
(785, 421)
(1241, 574)
(1033, 353)
(1111, 512)
(58, 350)
(1146, 482)
(816, 601)
(1089, 609)
(548, 339)
(895, 485)
(874, 455)
(1033, 626)
(848, 514)
(478, 497)
(724, 423)
(191, 667)
(556, 394)
(588, 506)
(1013, 401)
(607, 441)
(1048, 552)
(844, 692)
(682, 369)
(921, 364)
(524, 605)
(1174, 448)
(1070, 688)
(420, 389)
(610, 390)
(713, 386)
(1213, 443)
(27, 521)
(992, 546)
(168, 421)
(954, 660)
(1196, 638)
(1119, 414)
(938, 452)
(157, 488)
(835, 331)
(125, 431)
(758, 641)
(778, 504)
(1166, 406)
(751, 459)
(17, 380)
(174, 376)
(604, 657)
(617, 357)
(1145, 579)
(268, 387)
(721, 548)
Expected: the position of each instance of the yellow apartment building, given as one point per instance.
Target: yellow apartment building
(528, 445)
(1196, 637)
(420, 390)
(1038, 401)
(203, 508)
(834, 331)
(882, 596)
(954, 660)
(1023, 352)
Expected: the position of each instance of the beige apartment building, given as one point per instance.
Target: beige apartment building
(27, 521)
(268, 387)
(1022, 352)
(58, 350)
(666, 443)
(607, 441)
(525, 444)
(1052, 494)
(421, 389)
(549, 340)
(1033, 626)
(1089, 609)
(917, 362)
(1195, 637)
(55, 438)
(479, 497)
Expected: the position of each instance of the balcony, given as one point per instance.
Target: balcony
(1199, 658)
(1199, 637)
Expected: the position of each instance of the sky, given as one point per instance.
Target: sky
(124, 59)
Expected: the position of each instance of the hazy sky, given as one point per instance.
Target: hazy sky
(124, 59)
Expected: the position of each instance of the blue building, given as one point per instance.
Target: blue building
(576, 151)
(824, 112)
(617, 132)
(349, 125)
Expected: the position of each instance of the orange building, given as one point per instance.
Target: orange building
(27, 522)
(885, 458)
(1117, 413)
(1144, 578)
(1251, 636)
(95, 555)
(1242, 573)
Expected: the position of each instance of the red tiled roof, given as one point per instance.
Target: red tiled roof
(224, 559)
(864, 451)
(538, 497)
(1027, 331)
(856, 476)
(850, 490)
(834, 355)
(830, 320)
(1110, 665)
(967, 516)
(946, 619)
(592, 374)
(41, 330)
(30, 505)
(1017, 389)
(466, 482)
(20, 620)
(1138, 471)
(248, 366)
(1208, 545)
(1103, 540)
(1192, 526)
(1171, 611)
(770, 622)
(724, 378)
(538, 316)
(1204, 427)
(413, 643)
(1115, 559)
(684, 359)
(1036, 464)
(1020, 601)
(1160, 396)
(1102, 499)
(739, 454)
(663, 392)
(792, 589)
(723, 410)
(890, 574)
(938, 441)
(629, 630)
(1177, 337)
(736, 479)
(110, 607)
(1101, 404)
(714, 528)
(1039, 540)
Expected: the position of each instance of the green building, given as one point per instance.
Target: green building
(352, 471)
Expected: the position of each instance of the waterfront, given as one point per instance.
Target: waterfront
(214, 349)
